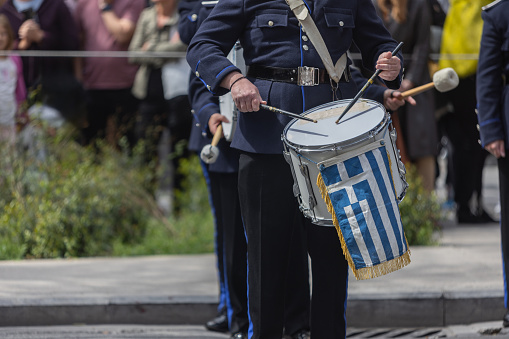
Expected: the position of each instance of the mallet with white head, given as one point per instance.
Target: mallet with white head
(210, 152)
(443, 80)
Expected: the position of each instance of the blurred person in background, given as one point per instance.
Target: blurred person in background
(409, 21)
(493, 106)
(12, 85)
(161, 109)
(461, 36)
(108, 26)
(42, 25)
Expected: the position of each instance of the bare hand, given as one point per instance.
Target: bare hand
(30, 31)
(390, 66)
(497, 148)
(245, 95)
(394, 100)
(215, 120)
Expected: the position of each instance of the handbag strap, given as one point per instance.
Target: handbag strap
(301, 12)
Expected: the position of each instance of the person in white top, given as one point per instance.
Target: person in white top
(12, 85)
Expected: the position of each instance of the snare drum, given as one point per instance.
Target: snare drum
(307, 144)
(226, 105)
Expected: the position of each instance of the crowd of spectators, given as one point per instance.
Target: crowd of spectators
(98, 94)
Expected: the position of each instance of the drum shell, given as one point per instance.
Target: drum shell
(226, 105)
(303, 161)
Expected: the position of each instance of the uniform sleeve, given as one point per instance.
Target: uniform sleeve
(203, 103)
(209, 47)
(489, 83)
(188, 19)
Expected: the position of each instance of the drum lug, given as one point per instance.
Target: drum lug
(288, 158)
(305, 172)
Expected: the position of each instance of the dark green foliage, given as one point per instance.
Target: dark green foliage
(63, 200)
(420, 212)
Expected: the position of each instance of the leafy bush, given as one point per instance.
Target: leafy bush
(62, 200)
(420, 211)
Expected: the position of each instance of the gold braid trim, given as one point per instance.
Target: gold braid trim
(366, 272)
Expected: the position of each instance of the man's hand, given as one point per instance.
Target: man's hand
(390, 66)
(394, 100)
(215, 120)
(31, 32)
(245, 95)
(497, 148)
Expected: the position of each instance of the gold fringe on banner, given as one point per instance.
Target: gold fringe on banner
(366, 272)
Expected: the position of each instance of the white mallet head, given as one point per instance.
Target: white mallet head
(209, 154)
(445, 79)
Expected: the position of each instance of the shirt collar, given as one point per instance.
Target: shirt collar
(24, 5)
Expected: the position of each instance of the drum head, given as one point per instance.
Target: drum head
(364, 117)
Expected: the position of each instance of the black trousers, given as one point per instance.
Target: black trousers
(102, 104)
(233, 252)
(467, 156)
(503, 176)
(272, 219)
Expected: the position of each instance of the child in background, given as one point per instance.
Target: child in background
(12, 85)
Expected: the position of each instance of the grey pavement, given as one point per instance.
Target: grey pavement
(452, 285)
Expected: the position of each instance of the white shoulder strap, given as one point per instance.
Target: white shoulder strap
(301, 12)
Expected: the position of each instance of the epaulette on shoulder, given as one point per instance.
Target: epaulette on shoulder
(491, 5)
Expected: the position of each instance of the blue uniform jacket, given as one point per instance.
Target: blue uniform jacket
(271, 36)
(204, 104)
(492, 93)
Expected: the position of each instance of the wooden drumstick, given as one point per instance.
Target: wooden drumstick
(217, 135)
(443, 80)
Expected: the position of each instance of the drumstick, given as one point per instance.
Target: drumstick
(292, 115)
(210, 152)
(217, 135)
(369, 82)
(443, 80)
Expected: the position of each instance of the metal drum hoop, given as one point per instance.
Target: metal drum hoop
(336, 147)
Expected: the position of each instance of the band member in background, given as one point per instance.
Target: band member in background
(493, 110)
(230, 236)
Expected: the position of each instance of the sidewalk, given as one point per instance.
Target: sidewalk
(457, 282)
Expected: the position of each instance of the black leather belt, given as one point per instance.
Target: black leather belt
(303, 76)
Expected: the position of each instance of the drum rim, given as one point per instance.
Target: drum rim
(337, 145)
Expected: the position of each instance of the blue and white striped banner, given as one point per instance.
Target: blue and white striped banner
(359, 192)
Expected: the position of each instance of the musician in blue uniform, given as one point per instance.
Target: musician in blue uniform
(493, 110)
(230, 236)
(274, 47)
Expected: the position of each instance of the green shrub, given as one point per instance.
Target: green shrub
(63, 200)
(420, 211)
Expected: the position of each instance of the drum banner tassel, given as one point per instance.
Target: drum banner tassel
(359, 193)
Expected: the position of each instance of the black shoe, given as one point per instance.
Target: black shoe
(506, 319)
(239, 335)
(301, 335)
(218, 324)
(467, 217)
(486, 218)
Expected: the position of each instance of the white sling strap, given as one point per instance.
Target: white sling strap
(301, 12)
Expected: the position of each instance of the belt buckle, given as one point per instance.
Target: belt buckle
(307, 76)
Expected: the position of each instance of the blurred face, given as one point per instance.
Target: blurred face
(4, 38)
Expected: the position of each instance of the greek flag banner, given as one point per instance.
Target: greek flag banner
(360, 195)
